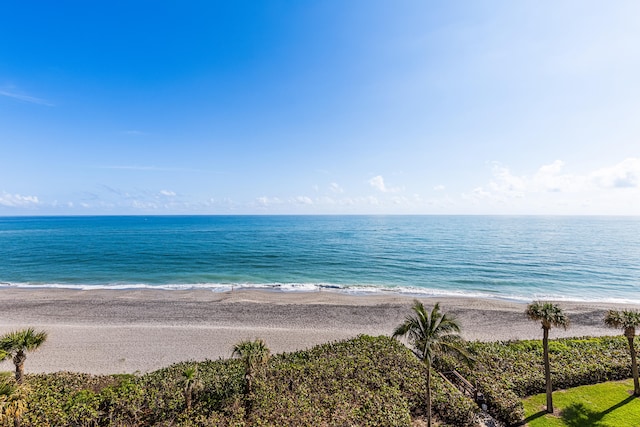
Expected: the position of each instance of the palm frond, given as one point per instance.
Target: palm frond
(23, 340)
(627, 320)
(548, 314)
(253, 353)
(431, 334)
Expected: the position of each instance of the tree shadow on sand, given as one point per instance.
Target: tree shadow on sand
(578, 415)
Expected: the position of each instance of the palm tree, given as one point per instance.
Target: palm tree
(628, 321)
(255, 355)
(17, 343)
(431, 334)
(191, 383)
(549, 315)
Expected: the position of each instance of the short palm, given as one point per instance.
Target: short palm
(628, 321)
(16, 344)
(191, 384)
(254, 355)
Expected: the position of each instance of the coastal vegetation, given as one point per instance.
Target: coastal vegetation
(254, 355)
(16, 344)
(628, 321)
(507, 372)
(374, 381)
(548, 314)
(370, 381)
(191, 384)
(431, 334)
(13, 401)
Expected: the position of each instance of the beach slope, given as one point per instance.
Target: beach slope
(123, 331)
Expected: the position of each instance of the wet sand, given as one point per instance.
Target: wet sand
(118, 331)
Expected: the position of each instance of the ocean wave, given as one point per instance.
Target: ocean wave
(363, 289)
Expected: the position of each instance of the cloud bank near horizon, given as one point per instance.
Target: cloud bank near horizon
(550, 189)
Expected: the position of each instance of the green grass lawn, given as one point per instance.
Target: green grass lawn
(609, 404)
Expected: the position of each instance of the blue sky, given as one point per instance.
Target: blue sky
(323, 107)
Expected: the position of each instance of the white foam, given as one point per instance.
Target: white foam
(364, 289)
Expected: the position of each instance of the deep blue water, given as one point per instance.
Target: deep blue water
(522, 258)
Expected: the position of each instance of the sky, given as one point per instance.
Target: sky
(320, 107)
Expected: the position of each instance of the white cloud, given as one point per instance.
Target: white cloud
(326, 200)
(144, 205)
(335, 188)
(439, 188)
(477, 195)
(25, 98)
(265, 201)
(17, 200)
(167, 193)
(506, 183)
(378, 183)
(303, 200)
(372, 200)
(625, 174)
(608, 190)
(400, 200)
(549, 178)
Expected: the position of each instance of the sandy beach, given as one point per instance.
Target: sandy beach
(124, 331)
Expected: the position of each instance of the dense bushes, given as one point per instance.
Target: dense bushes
(363, 381)
(366, 381)
(508, 371)
(576, 361)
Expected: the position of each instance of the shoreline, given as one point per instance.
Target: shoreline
(311, 288)
(123, 331)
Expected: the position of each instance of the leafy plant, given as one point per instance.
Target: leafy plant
(12, 400)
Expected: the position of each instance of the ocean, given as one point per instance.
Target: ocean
(518, 258)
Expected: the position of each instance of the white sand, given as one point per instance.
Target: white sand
(142, 330)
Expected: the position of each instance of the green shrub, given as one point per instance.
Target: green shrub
(63, 399)
(123, 402)
(365, 381)
(81, 408)
(508, 371)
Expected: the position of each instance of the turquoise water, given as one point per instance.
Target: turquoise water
(518, 258)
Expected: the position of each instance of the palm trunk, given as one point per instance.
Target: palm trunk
(547, 369)
(634, 367)
(428, 395)
(187, 397)
(18, 360)
(248, 397)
